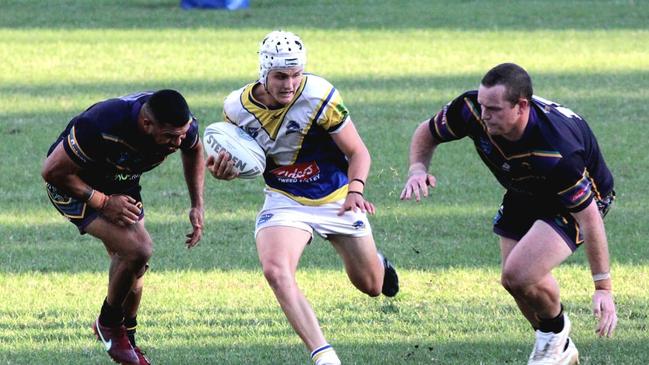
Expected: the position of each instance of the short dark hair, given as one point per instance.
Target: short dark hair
(169, 107)
(514, 78)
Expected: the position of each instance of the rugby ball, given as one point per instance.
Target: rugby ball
(247, 155)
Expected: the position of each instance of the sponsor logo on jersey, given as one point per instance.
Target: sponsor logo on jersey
(292, 127)
(577, 195)
(485, 145)
(126, 177)
(300, 172)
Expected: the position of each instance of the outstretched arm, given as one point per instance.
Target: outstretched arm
(592, 226)
(422, 147)
(194, 170)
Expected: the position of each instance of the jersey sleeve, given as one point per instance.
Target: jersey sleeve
(572, 183)
(451, 122)
(83, 142)
(333, 111)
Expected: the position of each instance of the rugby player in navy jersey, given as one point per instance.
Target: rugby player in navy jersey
(558, 191)
(92, 174)
(316, 169)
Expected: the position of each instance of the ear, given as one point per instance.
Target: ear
(523, 105)
(147, 125)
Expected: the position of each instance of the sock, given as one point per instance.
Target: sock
(325, 355)
(131, 328)
(110, 316)
(554, 325)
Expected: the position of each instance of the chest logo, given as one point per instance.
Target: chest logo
(300, 172)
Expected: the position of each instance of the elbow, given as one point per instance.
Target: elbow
(48, 173)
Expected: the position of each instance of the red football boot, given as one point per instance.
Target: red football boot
(141, 356)
(116, 343)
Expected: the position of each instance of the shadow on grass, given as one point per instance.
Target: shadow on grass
(627, 352)
(329, 14)
(431, 91)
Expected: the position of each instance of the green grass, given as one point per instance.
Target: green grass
(395, 66)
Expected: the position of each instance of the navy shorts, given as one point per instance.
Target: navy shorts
(518, 213)
(77, 211)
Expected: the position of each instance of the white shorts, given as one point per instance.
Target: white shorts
(280, 210)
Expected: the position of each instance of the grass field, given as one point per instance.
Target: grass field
(395, 65)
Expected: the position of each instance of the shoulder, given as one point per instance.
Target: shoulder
(559, 126)
(317, 87)
(232, 103)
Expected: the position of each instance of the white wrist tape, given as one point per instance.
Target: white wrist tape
(601, 276)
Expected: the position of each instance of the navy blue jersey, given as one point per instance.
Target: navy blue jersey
(105, 142)
(557, 158)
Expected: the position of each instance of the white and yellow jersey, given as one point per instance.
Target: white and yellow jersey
(302, 160)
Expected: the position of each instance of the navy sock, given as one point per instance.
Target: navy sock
(110, 316)
(131, 328)
(554, 325)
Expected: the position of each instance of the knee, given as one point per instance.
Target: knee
(278, 277)
(139, 252)
(512, 282)
(371, 287)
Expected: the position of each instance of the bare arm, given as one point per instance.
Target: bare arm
(592, 227)
(351, 144)
(422, 147)
(60, 171)
(194, 170)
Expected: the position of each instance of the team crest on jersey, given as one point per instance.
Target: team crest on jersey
(292, 127)
(264, 218)
(299, 172)
(252, 131)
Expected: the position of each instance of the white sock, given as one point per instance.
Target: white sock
(325, 355)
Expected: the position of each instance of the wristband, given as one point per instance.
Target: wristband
(359, 180)
(601, 276)
(354, 192)
(97, 200)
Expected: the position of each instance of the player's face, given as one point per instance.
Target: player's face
(168, 137)
(499, 115)
(283, 84)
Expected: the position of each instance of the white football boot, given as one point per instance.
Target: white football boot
(554, 348)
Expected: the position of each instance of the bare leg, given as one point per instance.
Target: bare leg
(131, 248)
(526, 271)
(279, 249)
(362, 264)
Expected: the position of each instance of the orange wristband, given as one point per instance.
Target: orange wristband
(97, 200)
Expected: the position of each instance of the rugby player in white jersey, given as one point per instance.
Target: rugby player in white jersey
(316, 170)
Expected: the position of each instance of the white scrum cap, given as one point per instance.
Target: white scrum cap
(280, 50)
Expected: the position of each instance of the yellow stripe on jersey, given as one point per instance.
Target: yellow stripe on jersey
(73, 143)
(270, 119)
(341, 193)
(335, 112)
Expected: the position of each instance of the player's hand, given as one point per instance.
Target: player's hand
(604, 311)
(196, 219)
(354, 202)
(222, 166)
(122, 210)
(418, 183)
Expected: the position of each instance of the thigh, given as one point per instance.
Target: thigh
(358, 253)
(536, 254)
(120, 239)
(281, 246)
